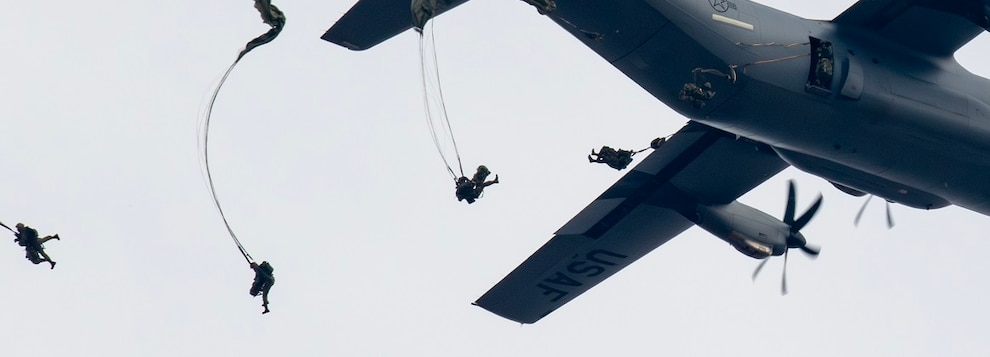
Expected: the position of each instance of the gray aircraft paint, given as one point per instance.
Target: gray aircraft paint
(883, 115)
(909, 119)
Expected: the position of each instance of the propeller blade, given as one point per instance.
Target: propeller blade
(795, 239)
(890, 218)
(806, 217)
(783, 278)
(861, 210)
(760, 267)
(789, 211)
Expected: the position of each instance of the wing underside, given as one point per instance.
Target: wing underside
(643, 210)
(370, 22)
(935, 27)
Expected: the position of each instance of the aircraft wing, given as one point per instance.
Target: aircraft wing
(370, 22)
(641, 211)
(935, 27)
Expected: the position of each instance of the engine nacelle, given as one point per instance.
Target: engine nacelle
(750, 231)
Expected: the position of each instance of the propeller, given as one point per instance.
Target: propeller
(794, 239)
(890, 218)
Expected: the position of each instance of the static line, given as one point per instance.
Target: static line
(206, 161)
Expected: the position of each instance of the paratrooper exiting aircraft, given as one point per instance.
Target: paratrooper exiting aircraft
(872, 101)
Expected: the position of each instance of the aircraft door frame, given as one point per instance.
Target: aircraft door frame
(821, 71)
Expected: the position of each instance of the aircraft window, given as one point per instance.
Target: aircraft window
(822, 67)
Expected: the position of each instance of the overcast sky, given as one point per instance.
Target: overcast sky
(324, 164)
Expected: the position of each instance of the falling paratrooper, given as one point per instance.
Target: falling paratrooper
(275, 18)
(264, 278)
(465, 189)
(471, 189)
(619, 159)
(34, 249)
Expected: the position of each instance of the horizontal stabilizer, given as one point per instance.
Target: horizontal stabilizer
(371, 22)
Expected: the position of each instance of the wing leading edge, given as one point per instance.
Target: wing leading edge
(640, 212)
(935, 27)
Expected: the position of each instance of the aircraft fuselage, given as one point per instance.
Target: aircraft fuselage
(889, 121)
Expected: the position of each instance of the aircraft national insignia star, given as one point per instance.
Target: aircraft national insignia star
(719, 5)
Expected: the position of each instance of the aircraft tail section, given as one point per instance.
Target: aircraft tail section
(370, 22)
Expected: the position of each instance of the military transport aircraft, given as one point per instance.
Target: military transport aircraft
(872, 101)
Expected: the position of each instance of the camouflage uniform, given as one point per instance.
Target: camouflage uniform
(264, 278)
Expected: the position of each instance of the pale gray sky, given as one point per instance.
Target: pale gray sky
(322, 159)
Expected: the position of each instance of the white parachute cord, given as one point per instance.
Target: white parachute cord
(206, 161)
(443, 105)
(428, 104)
(200, 124)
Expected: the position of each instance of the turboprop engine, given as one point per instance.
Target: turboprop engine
(749, 230)
(757, 234)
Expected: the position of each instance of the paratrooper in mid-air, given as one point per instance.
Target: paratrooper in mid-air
(616, 159)
(697, 95)
(471, 189)
(264, 278)
(27, 237)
